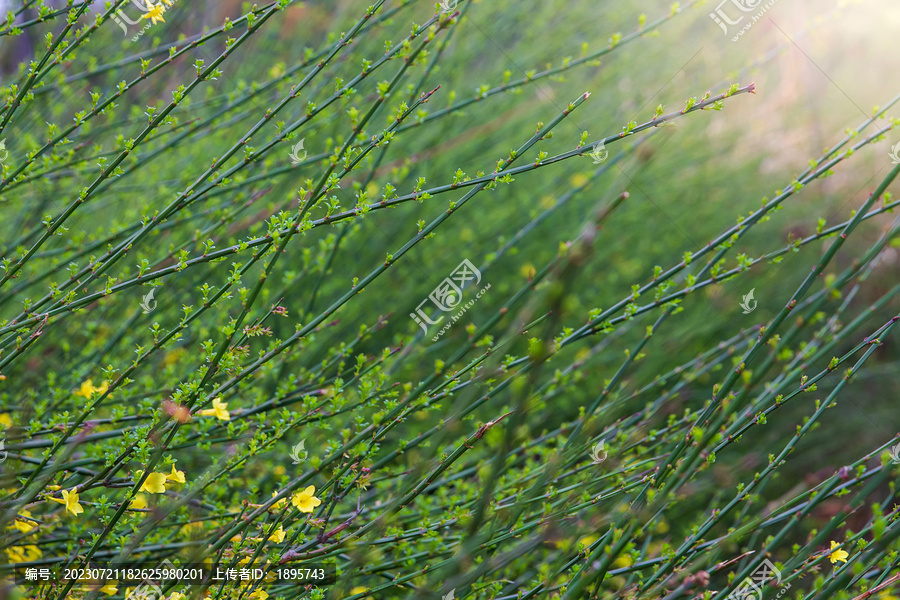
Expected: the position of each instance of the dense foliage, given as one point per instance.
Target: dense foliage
(286, 285)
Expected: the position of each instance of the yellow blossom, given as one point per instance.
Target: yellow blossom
(23, 553)
(70, 499)
(279, 470)
(22, 524)
(173, 357)
(177, 476)
(624, 560)
(259, 595)
(16, 554)
(5, 420)
(110, 588)
(193, 530)
(139, 501)
(219, 410)
(154, 12)
(154, 484)
(578, 180)
(278, 535)
(837, 555)
(88, 388)
(305, 501)
(278, 505)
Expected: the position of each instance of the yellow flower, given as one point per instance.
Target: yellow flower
(578, 180)
(88, 388)
(278, 505)
(173, 357)
(70, 499)
(16, 554)
(23, 554)
(154, 13)
(5, 420)
(588, 540)
(22, 524)
(279, 470)
(192, 530)
(305, 501)
(837, 555)
(622, 561)
(154, 484)
(139, 501)
(278, 535)
(218, 410)
(110, 588)
(662, 526)
(177, 476)
(259, 595)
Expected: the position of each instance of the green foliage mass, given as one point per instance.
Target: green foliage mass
(217, 228)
